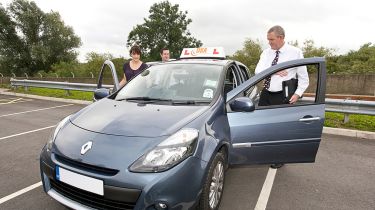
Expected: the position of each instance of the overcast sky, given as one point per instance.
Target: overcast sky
(104, 25)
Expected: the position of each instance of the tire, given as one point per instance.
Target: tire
(213, 187)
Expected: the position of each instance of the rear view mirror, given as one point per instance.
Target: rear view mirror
(101, 93)
(242, 104)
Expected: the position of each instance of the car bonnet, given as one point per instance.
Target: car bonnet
(135, 119)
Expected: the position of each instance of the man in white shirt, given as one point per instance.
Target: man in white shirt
(278, 52)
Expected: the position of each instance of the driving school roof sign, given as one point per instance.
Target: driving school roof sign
(203, 52)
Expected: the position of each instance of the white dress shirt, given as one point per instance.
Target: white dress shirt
(287, 53)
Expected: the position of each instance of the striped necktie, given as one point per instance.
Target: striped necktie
(268, 79)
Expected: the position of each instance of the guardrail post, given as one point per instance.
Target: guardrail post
(26, 87)
(14, 76)
(346, 115)
(346, 118)
(67, 90)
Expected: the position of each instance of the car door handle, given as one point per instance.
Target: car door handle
(309, 119)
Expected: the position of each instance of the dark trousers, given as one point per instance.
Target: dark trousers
(268, 98)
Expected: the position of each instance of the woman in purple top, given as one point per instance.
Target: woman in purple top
(134, 66)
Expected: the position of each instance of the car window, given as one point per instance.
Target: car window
(308, 96)
(244, 72)
(231, 80)
(198, 82)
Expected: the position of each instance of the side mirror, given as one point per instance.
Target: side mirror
(101, 93)
(242, 104)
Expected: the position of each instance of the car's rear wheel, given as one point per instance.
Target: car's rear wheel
(214, 184)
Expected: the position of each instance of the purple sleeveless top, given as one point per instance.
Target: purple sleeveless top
(129, 73)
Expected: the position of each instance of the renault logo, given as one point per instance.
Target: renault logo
(86, 147)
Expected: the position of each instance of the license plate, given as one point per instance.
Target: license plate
(80, 181)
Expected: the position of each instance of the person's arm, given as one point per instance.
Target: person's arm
(303, 82)
(261, 63)
(123, 81)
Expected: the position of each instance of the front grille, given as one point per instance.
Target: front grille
(87, 198)
(87, 167)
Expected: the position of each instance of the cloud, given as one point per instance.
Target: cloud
(104, 25)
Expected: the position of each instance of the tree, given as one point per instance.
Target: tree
(354, 62)
(166, 26)
(249, 54)
(92, 67)
(11, 46)
(95, 62)
(31, 40)
(309, 50)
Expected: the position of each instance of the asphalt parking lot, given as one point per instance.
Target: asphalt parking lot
(341, 178)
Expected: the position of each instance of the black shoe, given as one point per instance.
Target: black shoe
(277, 165)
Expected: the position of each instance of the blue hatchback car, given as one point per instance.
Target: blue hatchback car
(165, 140)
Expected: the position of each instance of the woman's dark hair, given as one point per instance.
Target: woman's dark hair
(135, 49)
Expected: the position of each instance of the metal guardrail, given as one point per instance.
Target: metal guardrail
(332, 105)
(347, 106)
(351, 106)
(55, 85)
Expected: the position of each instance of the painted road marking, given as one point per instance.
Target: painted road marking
(36, 110)
(19, 134)
(20, 192)
(14, 101)
(7, 99)
(266, 190)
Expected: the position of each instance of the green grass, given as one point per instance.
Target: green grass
(73, 94)
(356, 121)
(4, 86)
(335, 120)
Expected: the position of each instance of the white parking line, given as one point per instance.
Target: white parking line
(20, 192)
(35, 110)
(19, 134)
(266, 190)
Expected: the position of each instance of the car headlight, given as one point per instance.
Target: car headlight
(168, 153)
(56, 131)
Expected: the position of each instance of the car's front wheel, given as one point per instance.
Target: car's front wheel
(214, 184)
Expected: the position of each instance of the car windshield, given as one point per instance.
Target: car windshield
(177, 83)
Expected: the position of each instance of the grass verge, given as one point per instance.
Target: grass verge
(356, 121)
(73, 94)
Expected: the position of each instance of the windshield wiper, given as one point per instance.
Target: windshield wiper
(188, 102)
(143, 98)
(146, 100)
